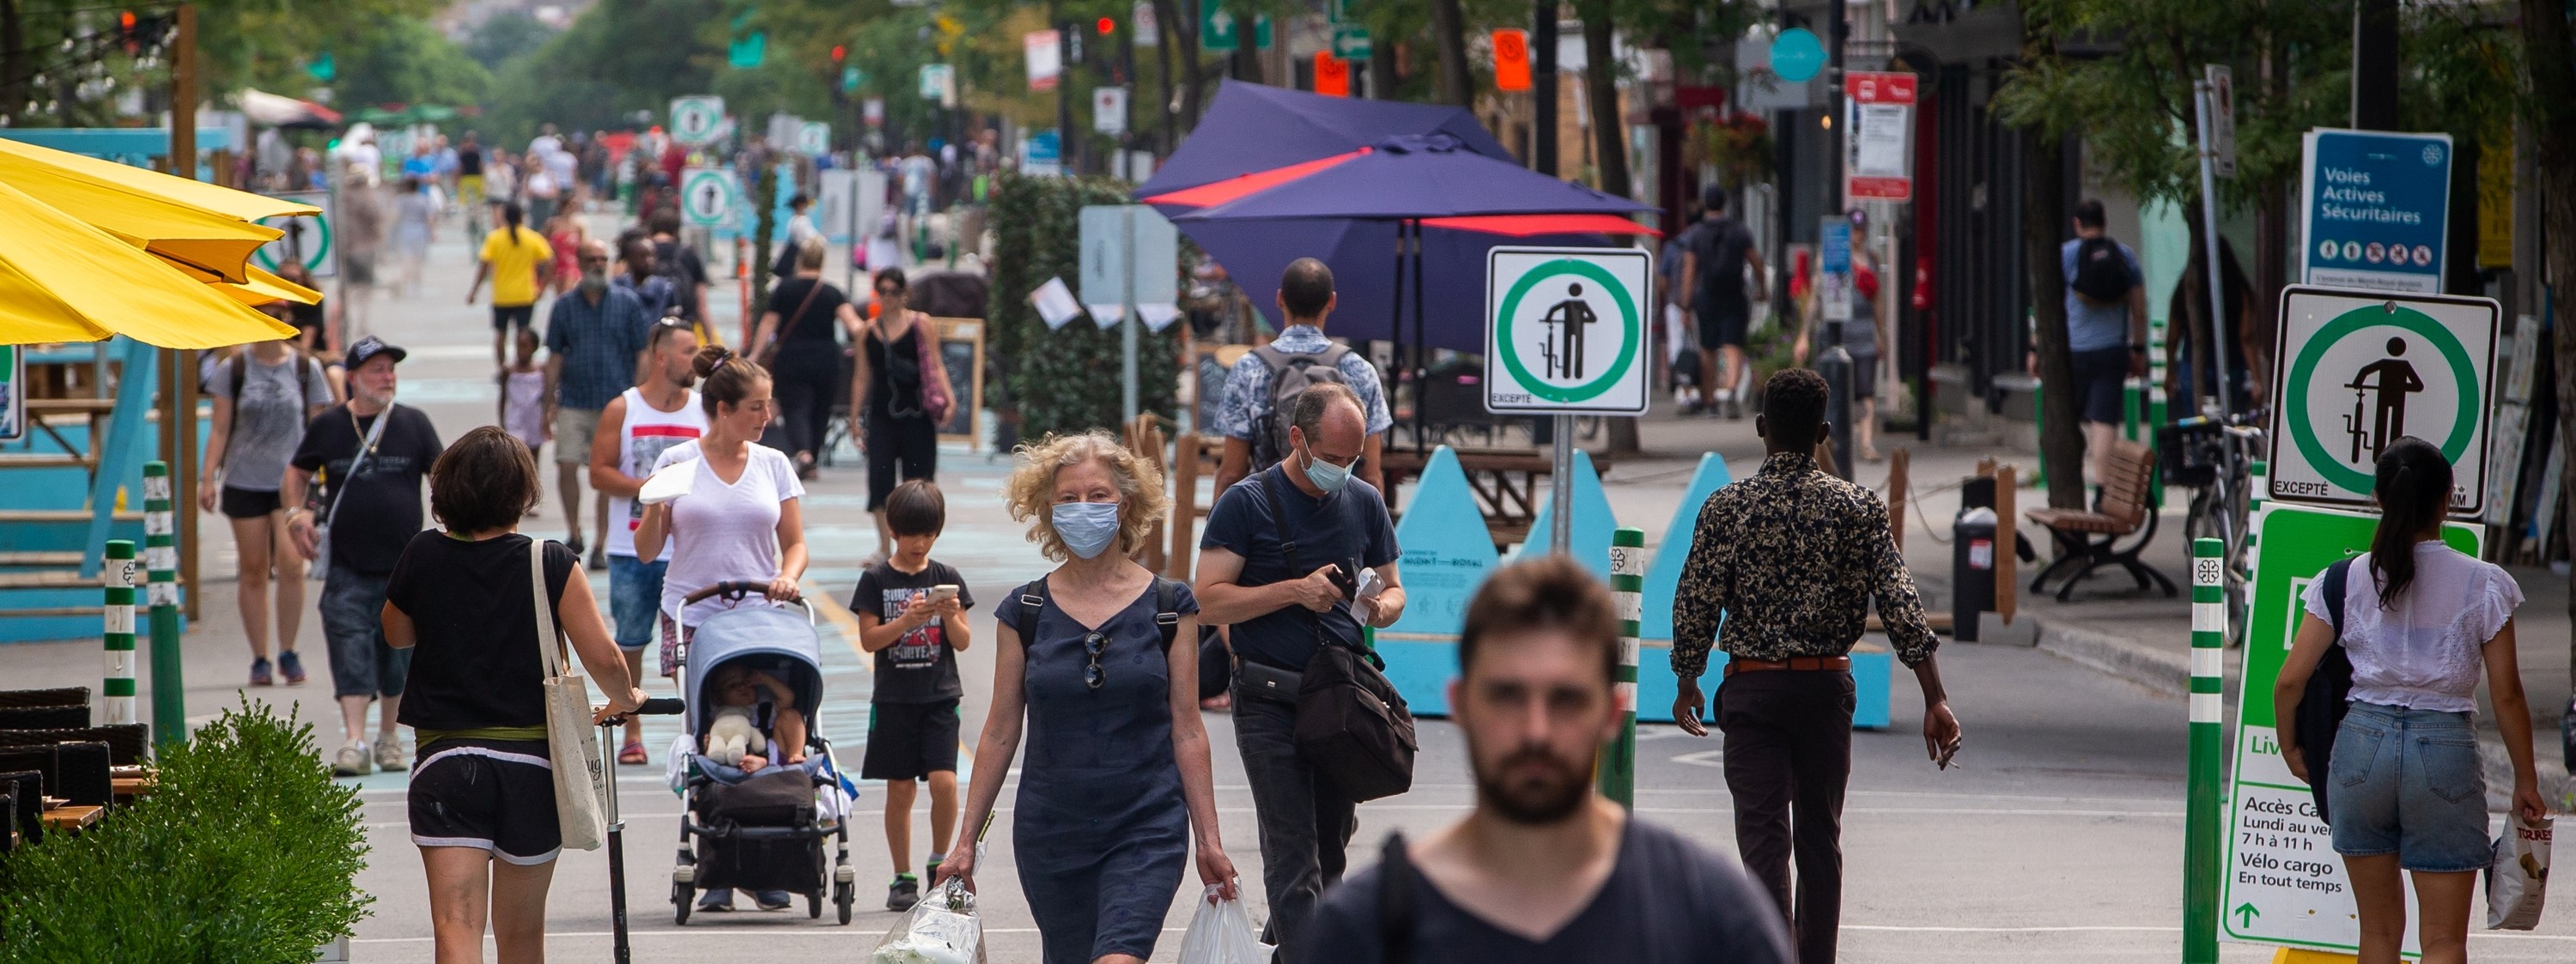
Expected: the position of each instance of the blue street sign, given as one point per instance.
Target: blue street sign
(1796, 54)
(2376, 208)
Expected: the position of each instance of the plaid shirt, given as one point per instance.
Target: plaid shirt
(598, 344)
(1247, 388)
(1792, 558)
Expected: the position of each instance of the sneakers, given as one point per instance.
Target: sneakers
(1735, 406)
(772, 899)
(351, 761)
(290, 665)
(259, 675)
(903, 893)
(389, 755)
(716, 901)
(599, 558)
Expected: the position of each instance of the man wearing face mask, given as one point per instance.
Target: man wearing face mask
(1285, 601)
(594, 350)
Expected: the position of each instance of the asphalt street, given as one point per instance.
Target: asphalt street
(2058, 838)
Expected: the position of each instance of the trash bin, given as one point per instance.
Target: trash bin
(1972, 570)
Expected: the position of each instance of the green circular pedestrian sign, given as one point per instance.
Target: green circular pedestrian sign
(1566, 329)
(308, 238)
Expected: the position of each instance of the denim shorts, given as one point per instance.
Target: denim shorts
(2408, 782)
(634, 594)
(362, 664)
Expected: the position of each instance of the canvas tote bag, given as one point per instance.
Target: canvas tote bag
(570, 742)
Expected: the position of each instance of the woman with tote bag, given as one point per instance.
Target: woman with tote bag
(508, 764)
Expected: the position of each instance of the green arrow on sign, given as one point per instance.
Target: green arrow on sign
(1217, 32)
(2246, 914)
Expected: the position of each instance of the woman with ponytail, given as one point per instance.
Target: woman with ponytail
(2405, 790)
(518, 261)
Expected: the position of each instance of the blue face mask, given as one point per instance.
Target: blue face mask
(1086, 528)
(1326, 475)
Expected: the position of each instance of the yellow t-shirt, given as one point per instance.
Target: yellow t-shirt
(514, 266)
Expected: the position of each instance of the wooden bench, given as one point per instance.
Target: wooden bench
(2089, 540)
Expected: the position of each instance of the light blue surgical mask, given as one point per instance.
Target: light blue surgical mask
(1086, 528)
(1326, 475)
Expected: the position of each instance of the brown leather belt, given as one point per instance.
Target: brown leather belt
(1802, 663)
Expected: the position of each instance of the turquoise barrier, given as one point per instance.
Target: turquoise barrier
(1593, 523)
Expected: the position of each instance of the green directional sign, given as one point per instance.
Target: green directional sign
(2283, 883)
(1351, 41)
(1221, 28)
(1566, 329)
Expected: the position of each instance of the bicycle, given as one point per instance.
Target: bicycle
(2215, 459)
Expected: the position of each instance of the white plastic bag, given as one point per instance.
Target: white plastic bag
(940, 930)
(2518, 878)
(1221, 933)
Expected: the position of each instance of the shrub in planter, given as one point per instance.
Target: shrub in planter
(247, 852)
(1066, 379)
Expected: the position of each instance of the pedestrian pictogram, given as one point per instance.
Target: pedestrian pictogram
(1565, 329)
(695, 120)
(308, 238)
(2359, 371)
(706, 195)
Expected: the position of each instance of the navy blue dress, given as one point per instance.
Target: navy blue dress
(1100, 830)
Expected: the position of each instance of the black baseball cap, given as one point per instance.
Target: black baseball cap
(370, 347)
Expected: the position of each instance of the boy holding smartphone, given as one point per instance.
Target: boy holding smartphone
(912, 615)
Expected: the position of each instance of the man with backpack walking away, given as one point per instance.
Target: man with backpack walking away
(1713, 263)
(675, 260)
(1266, 382)
(2106, 327)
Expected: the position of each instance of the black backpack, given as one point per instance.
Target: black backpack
(671, 261)
(1290, 375)
(2329, 692)
(2101, 273)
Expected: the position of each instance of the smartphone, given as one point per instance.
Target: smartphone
(1342, 577)
(942, 593)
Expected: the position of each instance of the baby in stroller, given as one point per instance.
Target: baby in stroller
(734, 736)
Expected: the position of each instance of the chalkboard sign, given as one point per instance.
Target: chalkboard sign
(961, 351)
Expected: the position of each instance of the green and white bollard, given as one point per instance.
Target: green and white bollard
(118, 640)
(2255, 487)
(2157, 404)
(161, 562)
(1618, 777)
(2207, 795)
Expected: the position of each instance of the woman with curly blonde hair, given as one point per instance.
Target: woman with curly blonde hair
(1117, 785)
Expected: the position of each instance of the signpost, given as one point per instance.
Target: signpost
(814, 138)
(939, 83)
(706, 196)
(308, 237)
(1511, 60)
(2357, 371)
(1542, 354)
(1351, 42)
(1878, 165)
(1332, 75)
(2375, 209)
(1131, 257)
(2283, 884)
(695, 120)
(2221, 137)
(1221, 30)
(1044, 52)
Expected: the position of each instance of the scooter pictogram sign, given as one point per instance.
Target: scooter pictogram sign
(2355, 372)
(1566, 329)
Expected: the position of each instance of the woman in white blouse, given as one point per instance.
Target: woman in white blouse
(2406, 791)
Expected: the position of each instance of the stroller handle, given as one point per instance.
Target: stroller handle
(733, 590)
(656, 706)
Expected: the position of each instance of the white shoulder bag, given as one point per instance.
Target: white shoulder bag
(570, 742)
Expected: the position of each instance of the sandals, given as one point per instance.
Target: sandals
(632, 754)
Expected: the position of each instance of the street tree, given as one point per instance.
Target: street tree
(2549, 65)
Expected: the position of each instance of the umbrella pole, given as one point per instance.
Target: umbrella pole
(1412, 347)
(1421, 341)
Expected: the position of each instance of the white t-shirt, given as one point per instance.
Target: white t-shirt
(2426, 653)
(723, 532)
(645, 434)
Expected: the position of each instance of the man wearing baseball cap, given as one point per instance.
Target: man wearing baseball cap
(370, 455)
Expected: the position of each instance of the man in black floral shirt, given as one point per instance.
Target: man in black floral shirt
(1792, 557)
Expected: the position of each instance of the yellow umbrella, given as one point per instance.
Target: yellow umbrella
(265, 288)
(205, 230)
(64, 280)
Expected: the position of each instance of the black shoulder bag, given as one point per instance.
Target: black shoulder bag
(1352, 726)
(2329, 692)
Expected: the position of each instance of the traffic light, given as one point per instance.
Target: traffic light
(840, 52)
(1108, 25)
(126, 33)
